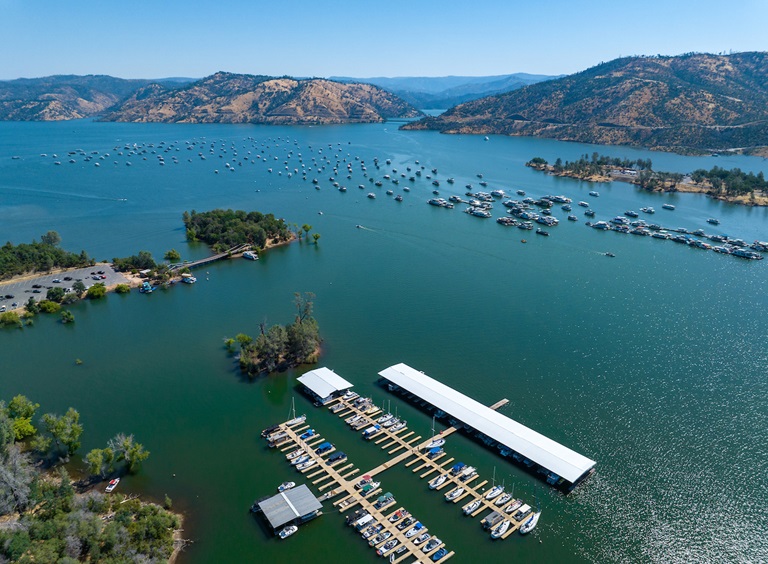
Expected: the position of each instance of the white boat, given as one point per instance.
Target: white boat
(513, 506)
(494, 492)
(500, 529)
(438, 481)
(472, 507)
(288, 531)
(307, 464)
(432, 544)
(295, 454)
(503, 499)
(112, 485)
(413, 531)
(450, 496)
(435, 443)
(300, 460)
(250, 255)
(397, 426)
(384, 418)
(286, 486)
(296, 420)
(530, 524)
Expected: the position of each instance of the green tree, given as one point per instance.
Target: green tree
(51, 238)
(21, 411)
(78, 288)
(47, 306)
(100, 461)
(271, 346)
(69, 298)
(65, 430)
(122, 289)
(55, 294)
(31, 306)
(67, 317)
(97, 291)
(302, 340)
(316, 236)
(10, 319)
(172, 256)
(128, 450)
(306, 227)
(229, 343)
(243, 339)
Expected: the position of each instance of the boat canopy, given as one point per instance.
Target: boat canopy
(547, 453)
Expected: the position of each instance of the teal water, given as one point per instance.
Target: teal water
(652, 363)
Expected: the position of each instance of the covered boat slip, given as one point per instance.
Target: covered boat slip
(324, 384)
(294, 505)
(534, 446)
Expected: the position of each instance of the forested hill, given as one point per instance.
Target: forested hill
(241, 98)
(688, 102)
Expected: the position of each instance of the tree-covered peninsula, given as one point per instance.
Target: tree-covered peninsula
(732, 185)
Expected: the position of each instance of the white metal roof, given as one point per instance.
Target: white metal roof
(289, 505)
(324, 382)
(542, 450)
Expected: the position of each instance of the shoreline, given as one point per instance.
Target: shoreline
(131, 279)
(756, 199)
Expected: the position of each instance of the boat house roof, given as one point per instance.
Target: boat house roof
(323, 382)
(540, 449)
(289, 505)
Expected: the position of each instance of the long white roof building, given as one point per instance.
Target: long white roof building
(540, 449)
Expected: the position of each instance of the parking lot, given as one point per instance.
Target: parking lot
(37, 287)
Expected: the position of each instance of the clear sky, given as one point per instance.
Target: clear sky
(360, 38)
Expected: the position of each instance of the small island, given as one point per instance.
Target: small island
(734, 186)
(281, 346)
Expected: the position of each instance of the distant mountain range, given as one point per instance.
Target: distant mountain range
(219, 98)
(443, 92)
(65, 97)
(693, 102)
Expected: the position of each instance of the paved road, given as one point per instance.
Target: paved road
(21, 290)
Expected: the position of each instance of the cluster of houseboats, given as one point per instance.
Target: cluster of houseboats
(723, 243)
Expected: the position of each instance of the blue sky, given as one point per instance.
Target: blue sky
(161, 38)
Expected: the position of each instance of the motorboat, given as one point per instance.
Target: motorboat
(307, 434)
(288, 531)
(305, 465)
(668, 207)
(530, 524)
(286, 486)
(439, 554)
(431, 545)
(300, 460)
(413, 531)
(112, 485)
(438, 481)
(387, 546)
(422, 538)
(397, 515)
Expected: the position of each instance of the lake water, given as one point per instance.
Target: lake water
(652, 363)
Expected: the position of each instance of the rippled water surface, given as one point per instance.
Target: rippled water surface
(652, 363)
